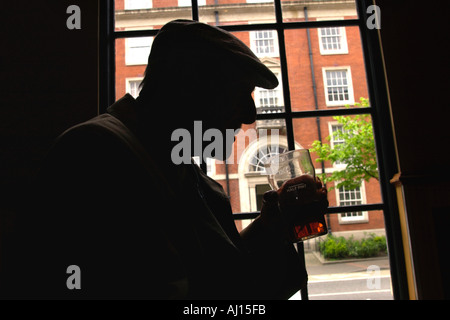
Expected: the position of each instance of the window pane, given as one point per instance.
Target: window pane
(149, 14)
(294, 11)
(334, 80)
(226, 12)
(131, 61)
(339, 78)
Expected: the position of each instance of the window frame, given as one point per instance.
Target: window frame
(128, 84)
(343, 42)
(254, 47)
(351, 96)
(127, 5)
(364, 218)
(130, 59)
(378, 110)
(331, 124)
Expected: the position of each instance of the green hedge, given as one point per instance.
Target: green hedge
(342, 248)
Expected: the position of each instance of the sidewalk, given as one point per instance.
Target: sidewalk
(315, 266)
(346, 279)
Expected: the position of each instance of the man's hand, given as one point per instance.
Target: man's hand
(276, 223)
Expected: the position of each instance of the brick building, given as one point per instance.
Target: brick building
(325, 70)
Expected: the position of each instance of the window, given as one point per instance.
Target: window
(264, 43)
(260, 157)
(268, 100)
(332, 40)
(348, 198)
(188, 3)
(338, 86)
(209, 164)
(133, 86)
(137, 4)
(276, 34)
(137, 50)
(336, 140)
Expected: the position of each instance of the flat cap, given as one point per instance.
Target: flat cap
(193, 40)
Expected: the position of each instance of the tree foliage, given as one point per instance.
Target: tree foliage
(356, 151)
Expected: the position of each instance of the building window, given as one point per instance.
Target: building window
(336, 140)
(338, 86)
(138, 4)
(264, 43)
(209, 164)
(133, 86)
(188, 3)
(332, 40)
(257, 161)
(351, 197)
(268, 100)
(137, 50)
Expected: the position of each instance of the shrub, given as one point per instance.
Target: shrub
(340, 247)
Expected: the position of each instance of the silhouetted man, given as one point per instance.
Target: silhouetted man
(111, 201)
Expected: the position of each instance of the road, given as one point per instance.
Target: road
(351, 280)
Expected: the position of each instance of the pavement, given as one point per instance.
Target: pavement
(317, 266)
(347, 279)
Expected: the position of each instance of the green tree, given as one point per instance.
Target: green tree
(356, 150)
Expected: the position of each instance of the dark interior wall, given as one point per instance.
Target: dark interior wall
(413, 35)
(49, 82)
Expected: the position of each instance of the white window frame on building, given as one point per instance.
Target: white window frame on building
(138, 4)
(332, 127)
(342, 83)
(269, 97)
(265, 46)
(352, 199)
(337, 35)
(210, 165)
(188, 3)
(132, 86)
(137, 50)
(332, 40)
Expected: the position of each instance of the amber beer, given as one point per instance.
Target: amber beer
(301, 197)
(303, 205)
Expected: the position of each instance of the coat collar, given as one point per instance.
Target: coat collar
(124, 109)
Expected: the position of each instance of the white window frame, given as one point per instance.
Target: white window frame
(278, 91)
(363, 218)
(339, 165)
(128, 88)
(210, 165)
(351, 98)
(343, 38)
(138, 4)
(130, 57)
(254, 39)
(342, 41)
(188, 3)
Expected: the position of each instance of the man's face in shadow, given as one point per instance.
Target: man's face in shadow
(231, 107)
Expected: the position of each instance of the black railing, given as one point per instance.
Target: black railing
(269, 109)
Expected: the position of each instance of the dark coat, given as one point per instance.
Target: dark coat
(136, 228)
